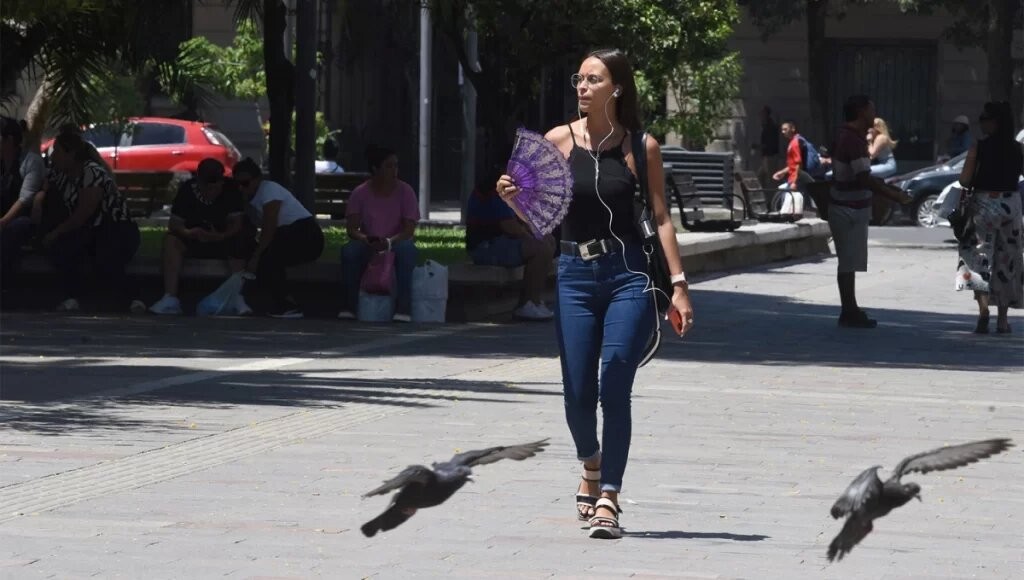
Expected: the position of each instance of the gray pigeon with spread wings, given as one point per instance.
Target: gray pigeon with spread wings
(422, 487)
(868, 498)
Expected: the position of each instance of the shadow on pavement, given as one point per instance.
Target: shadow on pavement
(278, 389)
(680, 535)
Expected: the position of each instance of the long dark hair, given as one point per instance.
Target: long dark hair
(627, 109)
(80, 149)
(1002, 114)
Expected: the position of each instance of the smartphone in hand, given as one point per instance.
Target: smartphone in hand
(676, 320)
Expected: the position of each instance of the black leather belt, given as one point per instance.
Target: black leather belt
(591, 250)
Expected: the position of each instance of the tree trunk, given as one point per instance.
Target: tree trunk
(998, 37)
(38, 115)
(280, 89)
(817, 70)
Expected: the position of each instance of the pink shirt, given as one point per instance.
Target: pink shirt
(382, 216)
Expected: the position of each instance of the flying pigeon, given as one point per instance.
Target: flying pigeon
(867, 498)
(422, 487)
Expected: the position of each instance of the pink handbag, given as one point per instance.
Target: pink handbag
(379, 275)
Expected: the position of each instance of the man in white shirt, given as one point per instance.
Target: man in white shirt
(329, 164)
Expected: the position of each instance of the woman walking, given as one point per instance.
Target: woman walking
(605, 312)
(991, 258)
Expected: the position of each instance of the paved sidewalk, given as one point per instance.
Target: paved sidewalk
(200, 448)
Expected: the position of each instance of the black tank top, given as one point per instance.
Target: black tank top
(999, 165)
(587, 218)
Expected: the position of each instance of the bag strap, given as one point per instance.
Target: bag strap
(639, 145)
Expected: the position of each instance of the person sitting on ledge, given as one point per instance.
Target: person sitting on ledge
(381, 216)
(207, 221)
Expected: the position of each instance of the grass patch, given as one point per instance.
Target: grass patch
(444, 245)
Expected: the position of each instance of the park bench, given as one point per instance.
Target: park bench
(759, 200)
(331, 192)
(702, 180)
(145, 191)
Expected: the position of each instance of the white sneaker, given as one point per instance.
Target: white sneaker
(166, 305)
(401, 318)
(69, 305)
(544, 311)
(137, 307)
(346, 315)
(241, 307)
(532, 311)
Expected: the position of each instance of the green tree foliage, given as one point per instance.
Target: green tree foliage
(72, 46)
(677, 43)
(204, 68)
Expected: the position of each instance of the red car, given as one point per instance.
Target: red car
(159, 144)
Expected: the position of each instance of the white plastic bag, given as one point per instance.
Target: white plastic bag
(429, 292)
(375, 307)
(221, 302)
(947, 200)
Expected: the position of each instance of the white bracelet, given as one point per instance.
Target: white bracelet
(677, 278)
(389, 243)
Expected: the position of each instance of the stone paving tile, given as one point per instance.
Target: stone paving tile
(744, 434)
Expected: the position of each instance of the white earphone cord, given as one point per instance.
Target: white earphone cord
(649, 287)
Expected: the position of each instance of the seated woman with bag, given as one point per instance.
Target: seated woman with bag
(381, 217)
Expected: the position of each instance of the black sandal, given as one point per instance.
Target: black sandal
(605, 527)
(584, 502)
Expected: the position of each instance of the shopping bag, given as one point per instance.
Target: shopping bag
(379, 276)
(221, 302)
(429, 292)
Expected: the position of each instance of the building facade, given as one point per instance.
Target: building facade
(920, 81)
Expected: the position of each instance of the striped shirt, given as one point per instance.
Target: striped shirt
(850, 159)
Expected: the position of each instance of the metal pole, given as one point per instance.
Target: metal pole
(468, 123)
(305, 101)
(426, 53)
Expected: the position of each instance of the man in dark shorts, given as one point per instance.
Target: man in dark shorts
(207, 221)
(850, 205)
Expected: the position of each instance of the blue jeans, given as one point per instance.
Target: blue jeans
(603, 320)
(355, 256)
(499, 251)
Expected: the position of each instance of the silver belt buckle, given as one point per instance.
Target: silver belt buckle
(585, 251)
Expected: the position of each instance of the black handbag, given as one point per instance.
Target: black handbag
(657, 264)
(960, 218)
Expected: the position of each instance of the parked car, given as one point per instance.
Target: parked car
(925, 185)
(158, 144)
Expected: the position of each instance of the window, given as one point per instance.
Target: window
(157, 134)
(900, 77)
(102, 136)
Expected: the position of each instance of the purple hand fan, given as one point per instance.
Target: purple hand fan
(541, 173)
